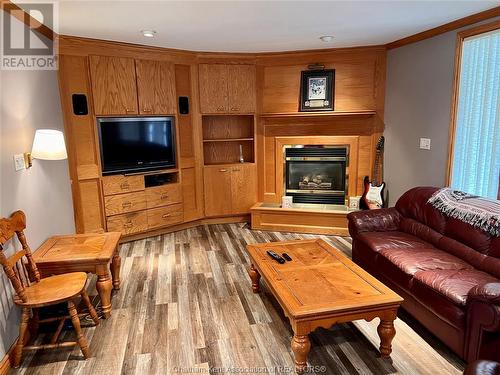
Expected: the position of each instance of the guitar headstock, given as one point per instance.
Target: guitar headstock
(380, 144)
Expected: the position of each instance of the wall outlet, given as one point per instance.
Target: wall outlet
(19, 162)
(425, 143)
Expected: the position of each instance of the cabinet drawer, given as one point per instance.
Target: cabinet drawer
(159, 217)
(128, 223)
(122, 184)
(122, 203)
(163, 195)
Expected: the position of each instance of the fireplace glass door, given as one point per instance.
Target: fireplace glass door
(316, 175)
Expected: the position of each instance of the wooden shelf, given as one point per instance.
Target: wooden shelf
(320, 114)
(229, 140)
(227, 164)
(223, 135)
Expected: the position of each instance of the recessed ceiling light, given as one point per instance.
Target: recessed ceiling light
(148, 33)
(326, 38)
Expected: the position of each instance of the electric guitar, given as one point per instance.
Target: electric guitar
(373, 195)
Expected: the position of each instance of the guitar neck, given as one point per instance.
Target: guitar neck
(376, 168)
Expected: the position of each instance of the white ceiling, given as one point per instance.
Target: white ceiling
(257, 26)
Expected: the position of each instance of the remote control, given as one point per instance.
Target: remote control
(275, 256)
(286, 256)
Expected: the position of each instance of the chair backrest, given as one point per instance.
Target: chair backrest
(20, 267)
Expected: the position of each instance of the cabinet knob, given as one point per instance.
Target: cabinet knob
(146, 110)
(235, 109)
(129, 110)
(128, 224)
(126, 204)
(222, 170)
(124, 186)
(166, 216)
(220, 109)
(164, 196)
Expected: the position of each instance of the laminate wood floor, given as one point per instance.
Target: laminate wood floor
(186, 306)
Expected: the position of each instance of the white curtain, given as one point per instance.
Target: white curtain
(476, 152)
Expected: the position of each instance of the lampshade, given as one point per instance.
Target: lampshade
(49, 145)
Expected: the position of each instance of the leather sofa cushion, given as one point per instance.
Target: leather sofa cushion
(454, 284)
(421, 231)
(438, 304)
(413, 204)
(378, 241)
(412, 260)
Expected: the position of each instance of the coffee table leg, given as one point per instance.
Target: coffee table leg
(104, 286)
(255, 276)
(301, 347)
(386, 332)
(115, 270)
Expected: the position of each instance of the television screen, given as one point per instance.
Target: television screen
(136, 143)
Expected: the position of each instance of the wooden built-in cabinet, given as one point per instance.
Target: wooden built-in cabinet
(132, 207)
(235, 101)
(230, 189)
(241, 88)
(227, 88)
(113, 85)
(155, 87)
(213, 88)
(124, 86)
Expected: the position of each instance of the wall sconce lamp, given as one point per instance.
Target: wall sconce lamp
(48, 144)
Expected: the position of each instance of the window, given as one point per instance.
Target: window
(475, 161)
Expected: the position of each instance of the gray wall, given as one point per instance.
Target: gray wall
(29, 101)
(418, 101)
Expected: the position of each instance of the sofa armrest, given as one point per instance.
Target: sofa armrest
(483, 323)
(488, 293)
(382, 220)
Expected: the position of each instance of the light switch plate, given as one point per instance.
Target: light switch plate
(425, 143)
(19, 162)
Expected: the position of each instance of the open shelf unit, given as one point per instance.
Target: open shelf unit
(223, 135)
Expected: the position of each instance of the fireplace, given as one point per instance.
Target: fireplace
(316, 174)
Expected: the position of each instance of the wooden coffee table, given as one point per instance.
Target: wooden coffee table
(94, 253)
(321, 287)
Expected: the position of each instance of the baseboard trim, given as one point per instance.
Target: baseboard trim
(8, 359)
(187, 225)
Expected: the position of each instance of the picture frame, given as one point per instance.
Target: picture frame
(317, 88)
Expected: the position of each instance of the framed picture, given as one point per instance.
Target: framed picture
(317, 90)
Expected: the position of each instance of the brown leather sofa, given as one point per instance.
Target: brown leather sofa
(447, 271)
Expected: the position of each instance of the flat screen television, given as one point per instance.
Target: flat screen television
(135, 144)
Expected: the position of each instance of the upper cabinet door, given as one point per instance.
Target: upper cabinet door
(241, 88)
(213, 88)
(156, 87)
(113, 85)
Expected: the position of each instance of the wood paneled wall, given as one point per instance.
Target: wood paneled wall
(359, 94)
(359, 106)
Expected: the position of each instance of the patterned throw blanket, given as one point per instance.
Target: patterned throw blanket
(480, 212)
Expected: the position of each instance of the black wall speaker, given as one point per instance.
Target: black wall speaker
(183, 105)
(80, 107)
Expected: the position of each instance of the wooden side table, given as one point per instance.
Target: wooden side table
(92, 253)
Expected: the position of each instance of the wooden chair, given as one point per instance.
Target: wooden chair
(32, 292)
